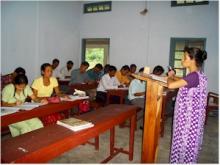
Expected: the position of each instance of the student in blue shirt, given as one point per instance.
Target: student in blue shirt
(94, 73)
(80, 75)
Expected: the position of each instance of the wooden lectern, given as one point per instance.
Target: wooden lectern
(152, 117)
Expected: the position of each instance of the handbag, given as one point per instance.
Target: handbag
(84, 106)
(52, 118)
(54, 99)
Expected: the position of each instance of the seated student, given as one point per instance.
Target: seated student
(122, 75)
(7, 79)
(45, 85)
(136, 91)
(80, 75)
(94, 73)
(55, 64)
(15, 94)
(108, 81)
(65, 72)
(105, 70)
(158, 70)
(133, 69)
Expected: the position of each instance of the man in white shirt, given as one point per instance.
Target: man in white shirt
(136, 91)
(55, 64)
(108, 81)
(65, 72)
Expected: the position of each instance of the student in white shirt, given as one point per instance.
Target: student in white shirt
(108, 81)
(55, 64)
(136, 91)
(65, 72)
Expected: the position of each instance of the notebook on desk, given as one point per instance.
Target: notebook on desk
(75, 124)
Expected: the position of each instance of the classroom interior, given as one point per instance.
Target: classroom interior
(145, 33)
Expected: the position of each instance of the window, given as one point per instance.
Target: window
(95, 51)
(177, 46)
(188, 2)
(98, 7)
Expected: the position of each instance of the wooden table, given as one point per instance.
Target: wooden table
(122, 93)
(49, 142)
(37, 112)
(63, 81)
(82, 86)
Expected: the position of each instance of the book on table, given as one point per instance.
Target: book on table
(75, 124)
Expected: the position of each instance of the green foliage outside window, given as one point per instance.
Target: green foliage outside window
(94, 56)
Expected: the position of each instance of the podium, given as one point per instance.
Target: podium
(152, 117)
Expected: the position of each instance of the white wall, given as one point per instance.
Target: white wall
(145, 40)
(36, 32)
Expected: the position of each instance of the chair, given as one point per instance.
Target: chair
(212, 104)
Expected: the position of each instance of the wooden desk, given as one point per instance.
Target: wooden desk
(122, 93)
(63, 82)
(49, 142)
(37, 112)
(82, 86)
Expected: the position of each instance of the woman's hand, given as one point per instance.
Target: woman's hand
(18, 102)
(44, 101)
(171, 74)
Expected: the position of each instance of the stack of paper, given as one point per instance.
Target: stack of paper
(75, 124)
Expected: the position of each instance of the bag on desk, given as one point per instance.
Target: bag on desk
(84, 106)
(54, 99)
(52, 118)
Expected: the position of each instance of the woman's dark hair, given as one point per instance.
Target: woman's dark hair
(20, 79)
(195, 53)
(112, 68)
(43, 66)
(19, 70)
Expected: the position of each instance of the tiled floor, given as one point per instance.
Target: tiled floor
(87, 154)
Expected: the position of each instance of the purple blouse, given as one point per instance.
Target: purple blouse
(192, 80)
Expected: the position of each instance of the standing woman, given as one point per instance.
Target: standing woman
(189, 114)
(45, 85)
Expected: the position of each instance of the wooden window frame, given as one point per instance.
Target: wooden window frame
(175, 4)
(87, 5)
(174, 40)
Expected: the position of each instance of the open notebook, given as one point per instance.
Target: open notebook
(25, 106)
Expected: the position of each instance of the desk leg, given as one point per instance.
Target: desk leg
(131, 140)
(108, 97)
(112, 140)
(121, 99)
(97, 142)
